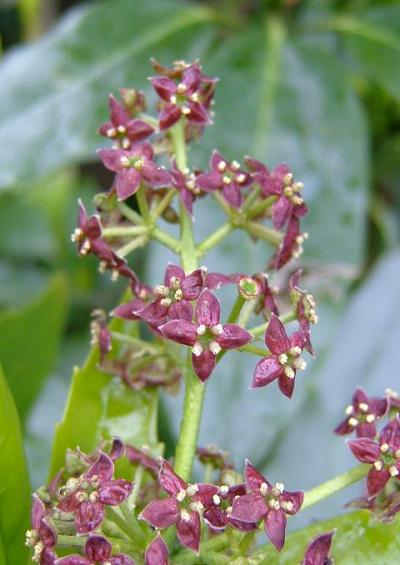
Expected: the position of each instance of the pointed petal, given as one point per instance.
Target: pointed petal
(233, 336)
(127, 182)
(216, 159)
(119, 116)
(275, 526)
(209, 181)
(191, 78)
(281, 211)
(390, 434)
(103, 468)
(169, 115)
(233, 194)
(121, 560)
(193, 284)
(188, 531)
(366, 429)
(115, 492)
(286, 385)
(365, 450)
(156, 177)
(117, 449)
(344, 428)
(203, 364)
(153, 313)
(169, 480)
(276, 338)
(138, 130)
(157, 552)
(97, 548)
(187, 199)
(181, 311)
(161, 513)
(38, 512)
(127, 311)
(111, 158)
(254, 479)
(215, 517)
(296, 498)
(89, 516)
(165, 87)
(249, 508)
(318, 550)
(359, 397)
(198, 113)
(376, 480)
(266, 371)
(173, 271)
(181, 331)
(208, 309)
(379, 407)
(70, 503)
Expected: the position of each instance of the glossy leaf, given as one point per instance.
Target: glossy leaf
(359, 539)
(15, 489)
(100, 406)
(30, 337)
(67, 76)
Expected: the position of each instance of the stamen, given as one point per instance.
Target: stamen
(214, 347)
(197, 349)
(201, 330)
(217, 329)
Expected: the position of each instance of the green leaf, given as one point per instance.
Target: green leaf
(67, 76)
(15, 489)
(30, 340)
(100, 406)
(373, 41)
(359, 539)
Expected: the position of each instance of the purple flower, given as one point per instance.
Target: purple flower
(217, 512)
(122, 128)
(284, 360)
(207, 336)
(97, 552)
(362, 415)
(291, 245)
(42, 538)
(279, 183)
(266, 303)
(227, 177)
(304, 306)
(384, 455)
(184, 98)
(186, 184)
(142, 458)
(174, 296)
(133, 167)
(317, 552)
(268, 503)
(87, 495)
(157, 552)
(182, 507)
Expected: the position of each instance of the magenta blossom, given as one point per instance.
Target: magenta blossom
(87, 495)
(207, 336)
(362, 415)
(182, 507)
(384, 454)
(186, 184)
(304, 305)
(174, 296)
(291, 244)
(226, 177)
(266, 303)
(97, 552)
(268, 503)
(157, 552)
(133, 167)
(317, 552)
(279, 183)
(122, 128)
(182, 98)
(284, 360)
(217, 513)
(42, 538)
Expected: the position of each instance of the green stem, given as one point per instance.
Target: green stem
(285, 319)
(236, 309)
(260, 207)
(334, 485)
(223, 203)
(262, 232)
(164, 203)
(142, 203)
(166, 239)
(212, 240)
(139, 343)
(255, 350)
(129, 214)
(194, 389)
(123, 231)
(132, 245)
(252, 197)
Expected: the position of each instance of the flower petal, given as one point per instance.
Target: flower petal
(365, 449)
(181, 331)
(72, 560)
(89, 516)
(188, 531)
(209, 181)
(233, 336)
(266, 371)
(208, 309)
(249, 508)
(137, 130)
(111, 158)
(103, 468)
(390, 434)
(157, 552)
(296, 498)
(121, 560)
(232, 194)
(193, 284)
(169, 480)
(165, 87)
(281, 212)
(169, 115)
(344, 428)
(97, 548)
(161, 513)
(203, 364)
(181, 310)
(275, 526)
(119, 116)
(115, 492)
(254, 479)
(318, 550)
(276, 338)
(127, 182)
(376, 480)
(173, 271)
(286, 385)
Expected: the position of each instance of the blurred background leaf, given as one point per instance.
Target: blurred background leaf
(15, 487)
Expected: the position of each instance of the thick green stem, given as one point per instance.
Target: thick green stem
(129, 214)
(334, 485)
(236, 309)
(194, 389)
(123, 231)
(166, 239)
(132, 245)
(260, 207)
(262, 232)
(212, 240)
(142, 203)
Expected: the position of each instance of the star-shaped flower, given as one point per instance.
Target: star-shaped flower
(362, 415)
(97, 552)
